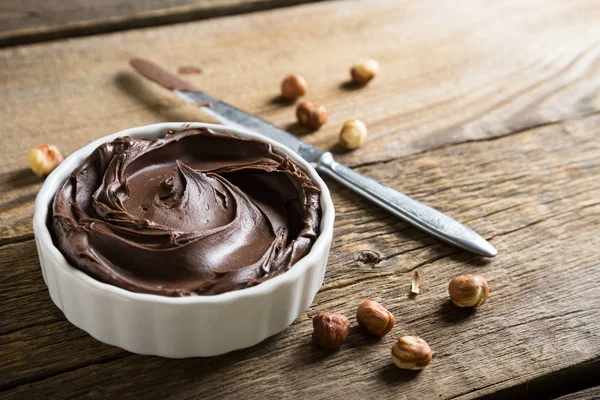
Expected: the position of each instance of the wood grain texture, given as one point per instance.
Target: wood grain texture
(477, 78)
(489, 113)
(29, 21)
(541, 316)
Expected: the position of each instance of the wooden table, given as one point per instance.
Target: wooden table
(488, 111)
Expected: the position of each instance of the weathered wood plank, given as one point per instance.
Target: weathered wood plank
(451, 74)
(24, 296)
(19, 188)
(31, 21)
(540, 319)
(473, 79)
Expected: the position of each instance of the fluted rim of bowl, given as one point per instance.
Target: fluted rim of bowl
(57, 177)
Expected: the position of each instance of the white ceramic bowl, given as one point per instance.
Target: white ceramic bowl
(179, 326)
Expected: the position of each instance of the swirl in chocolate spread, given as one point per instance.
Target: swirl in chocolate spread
(193, 213)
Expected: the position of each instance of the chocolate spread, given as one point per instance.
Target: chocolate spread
(193, 213)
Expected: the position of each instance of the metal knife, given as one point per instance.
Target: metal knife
(424, 217)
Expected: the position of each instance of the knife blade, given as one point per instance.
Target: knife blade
(418, 214)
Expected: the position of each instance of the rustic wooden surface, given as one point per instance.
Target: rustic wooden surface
(487, 111)
(28, 21)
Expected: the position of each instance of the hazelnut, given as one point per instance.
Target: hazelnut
(330, 330)
(311, 115)
(43, 159)
(411, 352)
(364, 71)
(374, 318)
(468, 290)
(293, 86)
(353, 134)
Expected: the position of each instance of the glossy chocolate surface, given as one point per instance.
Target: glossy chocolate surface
(193, 213)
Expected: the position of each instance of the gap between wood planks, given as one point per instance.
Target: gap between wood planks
(8, 387)
(590, 393)
(16, 239)
(573, 379)
(151, 18)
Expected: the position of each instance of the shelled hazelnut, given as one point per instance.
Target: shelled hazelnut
(43, 159)
(293, 86)
(468, 290)
(353, 134)
(375, 318)
(364, 71)
(330, 330)
(311, 115)
(411, 352)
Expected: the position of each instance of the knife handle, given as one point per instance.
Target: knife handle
(408, 209)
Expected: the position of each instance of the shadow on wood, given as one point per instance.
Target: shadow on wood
(452, 314)
(281, 101)
(358, 338)
(19, 178)
(337, 148)
(167, 106)
(309, 354)
(297, 129)
(350, 86)
(392, 375)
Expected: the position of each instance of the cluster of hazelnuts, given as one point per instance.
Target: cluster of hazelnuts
(354, 132)
(408, 352)
(45, 158)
